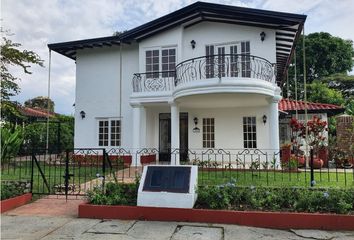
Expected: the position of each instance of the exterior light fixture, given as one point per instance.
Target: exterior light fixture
(82, 114)
(264, 118)
(193, 44)
(196, 129)
(263, 35)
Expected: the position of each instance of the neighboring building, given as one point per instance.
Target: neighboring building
(34, 114)
(296, 109)
(207, 67)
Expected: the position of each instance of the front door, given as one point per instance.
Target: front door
(165, 136)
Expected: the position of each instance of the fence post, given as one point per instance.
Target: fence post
(32, 169)
(311, 167)
(103, 168)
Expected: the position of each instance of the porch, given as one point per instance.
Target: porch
(241, 122)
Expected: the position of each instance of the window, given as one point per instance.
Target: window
(209, 52)
(115, 132)
(103, 133)
(168, 62)
(152, 63)
(235, 66)
(249, 132)
(245, 59)
(233, 61)
(109, 133)
(208, 133)
(164, 59)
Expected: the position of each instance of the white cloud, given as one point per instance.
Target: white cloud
(37, 23)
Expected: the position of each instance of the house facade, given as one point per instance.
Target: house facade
(207, 76)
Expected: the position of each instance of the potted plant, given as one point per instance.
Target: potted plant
(285, 152)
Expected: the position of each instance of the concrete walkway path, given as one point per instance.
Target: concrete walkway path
(59, 227)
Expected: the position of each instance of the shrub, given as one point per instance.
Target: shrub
(229, 196)
(114, 194)
(12, 189)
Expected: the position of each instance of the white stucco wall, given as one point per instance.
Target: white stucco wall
(98, 91)
(98, 85)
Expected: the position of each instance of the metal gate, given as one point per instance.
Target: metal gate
(73, 172)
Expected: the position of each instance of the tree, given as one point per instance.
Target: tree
(341, 82)
(11, 141)
(325, 55)
(40, 102)
(11, 55)
(320, 92)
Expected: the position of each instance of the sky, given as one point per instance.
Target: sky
(35, 23)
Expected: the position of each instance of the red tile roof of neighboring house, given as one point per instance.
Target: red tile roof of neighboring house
(288, 105)
(35, 112)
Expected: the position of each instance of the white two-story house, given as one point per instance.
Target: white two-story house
(204, 77)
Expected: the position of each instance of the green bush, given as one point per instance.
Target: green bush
(114, 194)
(10, 190)
(232, 197)
(229, 196)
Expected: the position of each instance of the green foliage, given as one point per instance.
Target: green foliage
(10, 112)
(320, 92)
(11, 140)
(11, 55)
(229, 196)
(325, 55)
(10, 190)
(35, 134)
(341, 82)
(114, 194)
(40, 102)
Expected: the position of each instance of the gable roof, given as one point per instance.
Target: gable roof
(288, 105)
(288, 28)
(34, 112)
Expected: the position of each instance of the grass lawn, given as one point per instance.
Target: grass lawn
(270, 178)
(54, 175)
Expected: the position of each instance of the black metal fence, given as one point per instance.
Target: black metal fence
(75, 171)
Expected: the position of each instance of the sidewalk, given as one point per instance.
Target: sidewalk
(60, 227)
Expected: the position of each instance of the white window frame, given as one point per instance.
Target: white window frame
(160, 49)
(209, 143)
(109, 132)
(245, 133)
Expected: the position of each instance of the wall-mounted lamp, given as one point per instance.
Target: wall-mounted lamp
(193, 44)
(82, 114)
(264, 118)
(196, 129)
(263, 35)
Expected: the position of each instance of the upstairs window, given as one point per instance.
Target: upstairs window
(168, 62)
(152, 63)
(245, 59)
(163, 60)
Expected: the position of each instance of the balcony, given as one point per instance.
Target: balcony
(222, 73)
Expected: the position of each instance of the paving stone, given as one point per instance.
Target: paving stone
(232, 232)
(318, 234)
(152, 230)
(111, 227)
(198, 233)
(72, 229)
(29, 227)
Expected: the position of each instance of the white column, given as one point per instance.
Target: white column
(274, 127)
(137, 109)
(175, 134)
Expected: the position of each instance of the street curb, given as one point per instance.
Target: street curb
(278, 220)
(15, 202)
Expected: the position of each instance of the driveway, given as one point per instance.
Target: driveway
(64, 227)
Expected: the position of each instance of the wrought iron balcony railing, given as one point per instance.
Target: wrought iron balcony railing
(226, 65)
(206, 67)
(153, 81)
